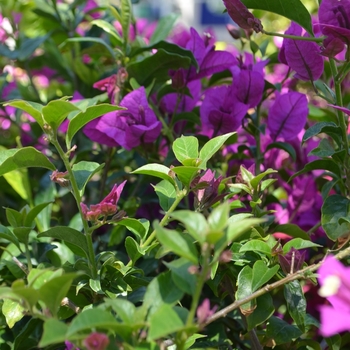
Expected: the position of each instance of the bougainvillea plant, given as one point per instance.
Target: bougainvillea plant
(158, 192)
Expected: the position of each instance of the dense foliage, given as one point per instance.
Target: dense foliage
(160, 193)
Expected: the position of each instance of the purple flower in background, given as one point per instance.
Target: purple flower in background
(128, 128)
(204, 311)
(221, 111)
(304, 57)
(241, 16)
(287, 116)
(96, 341)
(334, 279)
(334, 17)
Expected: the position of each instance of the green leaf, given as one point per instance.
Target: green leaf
(244, 289)
(157, 67)
(156, 170)
(185, 147)
(14, 217)
(264, 310)
(211, 147)
(22, 233)
(298, 243)
(29, 45)
(90, 319)
(6, 234)
(177, 243)
(194, 222)
(13, 312)
(180, 275)
(280, 331)
(257, 246)
(135, 226)
(256, 180)
(291, 9)
(26, 293)
(84, 117)
(320, 164)
(285, 147)
(125, 309)
(158, 328)
(17, 180)
(292, 230)
(33, 213)
(133, 249)
(54, 332)
(185, 174)
(32, 108)
(164, 27)
(161, 290)
(108, 28)
(236, 228)
(296, 303)
(83, 171)
(126, 13)
(324, 149)
(55, 112)
(328, 128)
(166, 194)
(333, 209)
(262, 274)
(218, 218)
(60, 285)
(69, 235)
(25, 157)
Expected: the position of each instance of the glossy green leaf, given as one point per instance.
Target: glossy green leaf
(17, 180)
(320, 164)
(60, 285)
(14, 217)
(296, 303)
(218, 218)
(157, 67)
(6, 234)
(133, 249)
(25, 292)
(283, 146)
(108, 28)
(177, 243)
(257, 246)
(68, 235)
(33, 213)
(194, 222)
(281, 331)
(54, 332)
(126, 14)
(185, 174)
(185, 147)
(32, 108)
(262, 274)
(211, 147)
(158, 328)
(84, 117)
(25, 157)
(256, 180)
(237, 228)
(328, 128)
(292, 230)
(264, 310)
(13, 312)
(324, 149)
(244, 289)
(334, 208)
(125, 309)
(298, 243)
(135, 226)
(83, 171)
(164, 27)
(157, 170)
(291, 9)
(56, 111)
(166, 194)
(181, 276)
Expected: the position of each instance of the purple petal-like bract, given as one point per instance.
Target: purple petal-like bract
(128, 128)
(287, 116)
(343, 109)
(221, 110)
(249, 87)
(241, 16)
(302, 56)
(335, 12)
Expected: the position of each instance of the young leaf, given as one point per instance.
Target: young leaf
(256, 245)
(25, 157)
(298, 243)
(185, 147)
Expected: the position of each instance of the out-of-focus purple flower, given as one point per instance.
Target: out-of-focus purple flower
(96, 341)
(204, 311)
(142, 28)
(292, 261)
(127, 128)
(287, 116)
(249, 87)
(334, 279)
(70, 346)
(241, 16)
(222, 111)
(107, 207)
(304, 57)
(334, 17)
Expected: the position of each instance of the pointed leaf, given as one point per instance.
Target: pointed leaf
(164, 27)
(328, 128)
(108, 28)
(285, 147)
(83, 171)
(156, 170)
(6, 234)
(54, 332)
(135, 226)
(244, 289)
(257, 246)
(280, 331)
(25, 157)
(185, 147)
(262, 274)
(32, 108)
(185, 174)
(298, 243)
(320, 164)
(166, 194)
